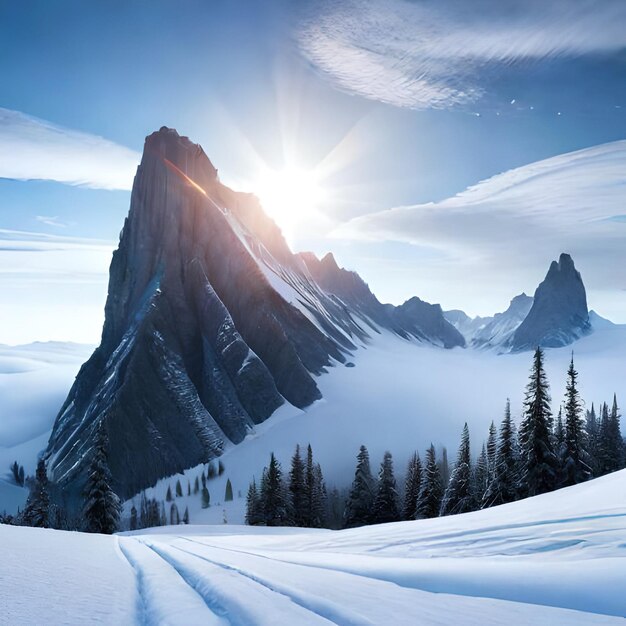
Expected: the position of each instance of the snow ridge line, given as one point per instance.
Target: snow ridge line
(310, 602)
(166, 597)
(246, 601)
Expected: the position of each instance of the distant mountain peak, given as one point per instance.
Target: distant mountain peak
(559, 314)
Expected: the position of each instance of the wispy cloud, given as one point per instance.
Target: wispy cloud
(34, 149)
(51, 220)
(433, 53)
(502, 232)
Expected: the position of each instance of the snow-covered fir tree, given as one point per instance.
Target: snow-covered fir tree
(205, 497)
(133, 517)
(459, 495)
(480, 475)
(575, 457)
(254, 512)
(431, 491)
(538, 463)
(412, 485)
(318, 498)
(492, 450)
(611, 444)
(592, 428)
(101, 511)
(298, 491)
(273, 495)
(37, 510)
(174, 515)
(385, 508)
(503, 488)
(358, 509)
(228, 491)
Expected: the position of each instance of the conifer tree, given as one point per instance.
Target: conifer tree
(558, 445)
(37, 510)
(385, 508)
(299, 491)
(318, 498)
(592, 439)
(188, 488)
(492, 450)
(444, 466)
(254, 513)
(228, 492)
(358, 511)
(480, 476)
(502, 488)
(431, 491)
(162, 519)
(186, 516)
(412, 485)
(174, 515)
(611, 444)
(168, 495)
(206, 498)
(179, 489)
(575, 457)
(538, 463)
(273, 495)
(459, 495)
(102, 507)
(196, 485)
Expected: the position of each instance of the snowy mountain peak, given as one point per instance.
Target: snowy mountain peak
(559, 313)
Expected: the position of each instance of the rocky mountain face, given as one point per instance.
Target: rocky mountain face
(211, 324)
(500, 328)
(556, 316)
(559, 313)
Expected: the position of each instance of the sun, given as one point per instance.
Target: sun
(290, 195)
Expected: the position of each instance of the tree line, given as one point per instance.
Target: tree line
(544, 454)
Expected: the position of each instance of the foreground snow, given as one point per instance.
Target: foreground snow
(559, 558)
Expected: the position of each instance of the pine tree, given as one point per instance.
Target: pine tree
(431, 492)
(162, 519)
(228, 493)
(318, 499)
(611, 444)
(412, 485)
(358, 511)
(480, 476)
(592, 439)
(273, 495)
(492, 450)
(206, 498)
(168, 495)
(575, 457)
(196, 486)
(254, 513)
(186, 516)
(444, 466)
(459, 495)
(174, 515)
(188, 488)
(385, 508)
(502, 488)
(220, 467)
(298, 490)
(133, 517)
(538, 463)
(102, 507)
(314, 515)
(37, 510)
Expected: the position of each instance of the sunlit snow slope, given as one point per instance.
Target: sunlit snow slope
(555, 559)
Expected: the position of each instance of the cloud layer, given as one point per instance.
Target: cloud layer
(33, 149)
(432, 53)
(52, 287)
(502, 232)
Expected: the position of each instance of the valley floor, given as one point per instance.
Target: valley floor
(555, 559)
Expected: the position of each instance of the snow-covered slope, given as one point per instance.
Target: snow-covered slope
(559, 558)
(400, 398)
(34, 380)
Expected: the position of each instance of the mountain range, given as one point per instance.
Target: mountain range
(212, 323)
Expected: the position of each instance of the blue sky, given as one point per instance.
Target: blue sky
(399, 103)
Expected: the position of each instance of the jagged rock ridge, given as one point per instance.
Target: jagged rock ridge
(211, 323)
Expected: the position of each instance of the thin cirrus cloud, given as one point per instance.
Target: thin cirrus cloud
(502, 232)
(433, 53)
(34, 149)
